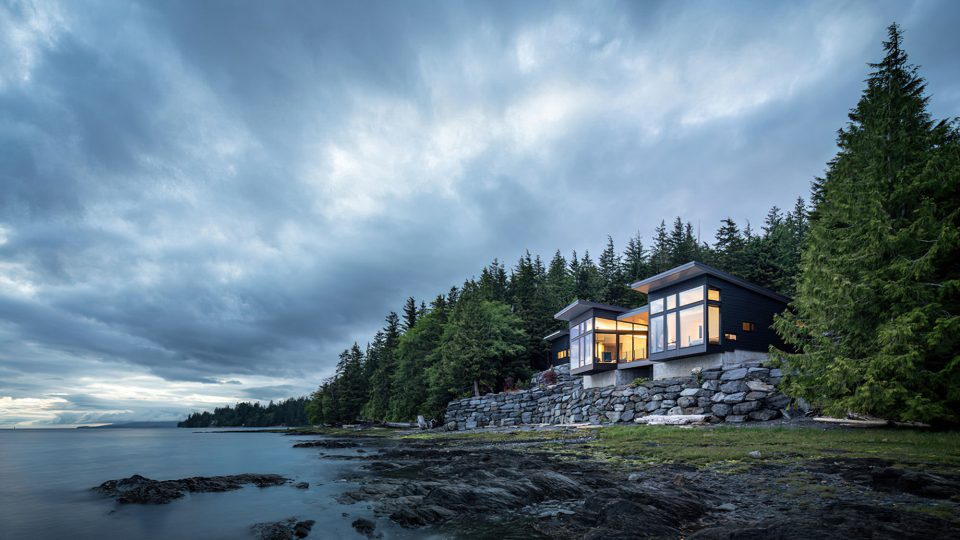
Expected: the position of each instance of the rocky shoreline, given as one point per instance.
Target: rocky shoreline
(472, 489)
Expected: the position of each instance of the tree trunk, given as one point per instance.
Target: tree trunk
(476, 388)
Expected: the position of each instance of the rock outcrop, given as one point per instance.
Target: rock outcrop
(140, 490)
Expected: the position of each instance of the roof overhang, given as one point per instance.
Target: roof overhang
(579, 307)
(694, 269)
(556, 335)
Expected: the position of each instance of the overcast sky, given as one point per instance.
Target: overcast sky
(204, 202)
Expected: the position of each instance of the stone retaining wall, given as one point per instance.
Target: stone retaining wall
(736, 393)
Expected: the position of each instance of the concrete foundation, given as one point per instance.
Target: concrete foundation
(616, 377)
(683, 366)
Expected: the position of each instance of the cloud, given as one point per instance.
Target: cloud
(202, 203)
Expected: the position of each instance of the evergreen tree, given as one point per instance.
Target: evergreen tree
(352, 384)
(381, 379)
(559, 285)
(660, 256)
(482, 344)
(612, 288)
(417, 350)
(493, 282)
(876, 318)
(729, 248)
(409, 314)
(586, 278)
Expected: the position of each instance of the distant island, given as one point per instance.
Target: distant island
(289, 412)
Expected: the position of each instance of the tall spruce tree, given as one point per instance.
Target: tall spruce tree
(876, 318)
(612, 288)
(410, 313)
(660, 254)
(381, 378)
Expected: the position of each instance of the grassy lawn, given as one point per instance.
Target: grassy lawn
(660, 444)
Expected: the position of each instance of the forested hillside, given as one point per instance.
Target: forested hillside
(290, 412)
(486, 335)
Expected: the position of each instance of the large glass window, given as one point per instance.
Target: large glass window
(575, 360)
(672, 301)
(632, 347)
(625, 348)
(587, 326)
(587, 349)
(606, 324)
(656, 306)
(656, 334)
(691, 326)
(671, 331)
(606, 348)
(713, 324)
(575, 331)
(713, 295)
(690, 296)
(639, 347)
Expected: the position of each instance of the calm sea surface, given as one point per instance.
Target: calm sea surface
(46, 476)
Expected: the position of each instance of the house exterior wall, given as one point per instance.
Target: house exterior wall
(557, 345)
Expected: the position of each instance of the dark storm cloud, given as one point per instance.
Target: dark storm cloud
(205, 201)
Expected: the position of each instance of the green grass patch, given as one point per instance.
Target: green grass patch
(494, 437)
(669, 444)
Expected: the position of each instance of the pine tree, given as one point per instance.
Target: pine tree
(876, 318)
(660, 256)
(728, 247)
(586, 278)
(381, 379)
(409, 314)
(559, 284)
(612, 288)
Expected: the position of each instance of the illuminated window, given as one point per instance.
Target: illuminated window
(625, 326)
(672, 301)
(713, 294)
(565, 353)
(749, 327)
(730, 337)
(713, 324)
(656, 334)
(606, 348)
(639, 347)
(656, 306)
(671, 331)
(625, 348)
(606, 324)
(691, 326)
(690, 296)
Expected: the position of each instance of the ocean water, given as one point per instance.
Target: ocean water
(46, 478)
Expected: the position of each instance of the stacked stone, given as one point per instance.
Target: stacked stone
(735, 394)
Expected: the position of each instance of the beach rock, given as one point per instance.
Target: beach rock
(301, 485)
(287, 529)
(140, 490)
(364, 527)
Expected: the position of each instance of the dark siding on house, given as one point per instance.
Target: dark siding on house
(557, 345)
(739, 305)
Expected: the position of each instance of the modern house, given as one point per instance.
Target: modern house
(696, 317)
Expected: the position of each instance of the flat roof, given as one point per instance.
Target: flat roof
(578, 307)
(693, 269)
(636, 311)
(556, 335)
